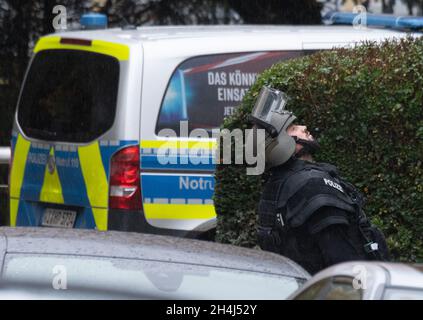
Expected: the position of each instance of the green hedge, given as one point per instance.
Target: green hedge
(365, 105)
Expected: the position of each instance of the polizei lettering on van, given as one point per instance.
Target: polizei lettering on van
(190, 183)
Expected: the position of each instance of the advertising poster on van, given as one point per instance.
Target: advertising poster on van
(204, 90)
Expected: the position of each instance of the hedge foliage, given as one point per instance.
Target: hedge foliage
(365, 105)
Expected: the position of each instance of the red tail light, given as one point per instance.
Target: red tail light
(125, 187)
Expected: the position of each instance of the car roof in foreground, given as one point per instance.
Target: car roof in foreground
(397, 274)
(404, 275)
(128, 245)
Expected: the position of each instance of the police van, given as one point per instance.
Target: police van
(86, 136)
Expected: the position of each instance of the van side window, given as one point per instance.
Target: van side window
(206, 89)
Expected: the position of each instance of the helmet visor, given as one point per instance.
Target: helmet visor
(269, 100)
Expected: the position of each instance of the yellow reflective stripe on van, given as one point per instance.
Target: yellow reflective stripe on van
(18, 166)
(177, 144)
(94, 175)
(14, 205)
(95, 182)
(100, 218)
(51, 190)
(117, 50)
(179, 211)
(20, 155)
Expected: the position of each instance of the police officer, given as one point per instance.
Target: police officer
(307, 212)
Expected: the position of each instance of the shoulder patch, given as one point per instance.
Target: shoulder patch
(333, 184)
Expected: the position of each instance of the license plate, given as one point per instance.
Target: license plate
(58, 218)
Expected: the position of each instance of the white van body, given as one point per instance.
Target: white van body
(173, 199)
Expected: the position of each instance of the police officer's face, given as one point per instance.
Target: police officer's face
(299, 131)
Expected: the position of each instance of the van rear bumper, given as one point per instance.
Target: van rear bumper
(134, 221)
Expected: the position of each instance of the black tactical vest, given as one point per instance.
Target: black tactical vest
(293, 193)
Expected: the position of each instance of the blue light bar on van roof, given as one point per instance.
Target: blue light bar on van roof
(93, 21)
(381, 20)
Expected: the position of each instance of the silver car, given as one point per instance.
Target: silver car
(364, 281)
(51, 263)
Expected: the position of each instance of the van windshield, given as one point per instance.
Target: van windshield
(69, 96)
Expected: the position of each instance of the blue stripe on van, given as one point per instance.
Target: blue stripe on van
(178, 162)
(29, 214)
(70, 174)
(85, 219)
(179, 187)
(34, 172)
